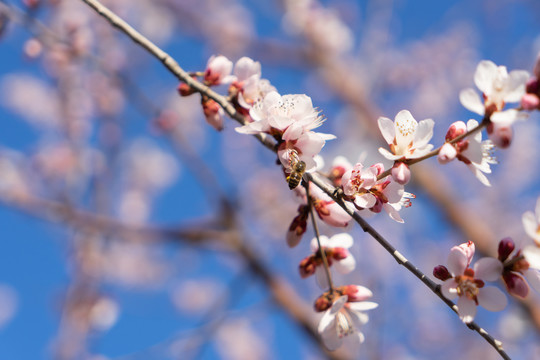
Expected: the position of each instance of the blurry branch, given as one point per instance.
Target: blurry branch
(222, 234)
(252, 260)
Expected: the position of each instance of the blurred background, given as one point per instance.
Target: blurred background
(130, 229)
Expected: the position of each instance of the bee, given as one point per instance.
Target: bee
(298, 167)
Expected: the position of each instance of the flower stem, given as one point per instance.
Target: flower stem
(322, 253)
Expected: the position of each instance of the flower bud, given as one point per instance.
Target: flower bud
(515, 284)
(441, 273)
(447, 153)
(213, 113)
(355, 292)
(185, 90)
(532, 86)
(298, 227)
(456, 129)
(506, 246)
(530, 102)
(218, 70)
(401, 173)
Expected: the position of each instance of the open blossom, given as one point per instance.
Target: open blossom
(292, 119)
(343, 321)
(337, 253)
(408, 139)
(474, 152)
(367, 193)
(248, 85)
(468, 284)
(218, 71)
(498, 87)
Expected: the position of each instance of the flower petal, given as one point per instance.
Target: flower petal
(485, 75)
(488, 268)
(466, 309)
(346, 265)
(471, 101)
(322, 279)
(492, 298)
(343, 240)
(387, 128)
(449, 289)
(457, 261)
(514, 88)
(533, 277)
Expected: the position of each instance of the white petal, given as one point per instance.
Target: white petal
(504, 118)
(387, 154)
(343, 240)
(449, 289)
(530, 224)
(325, 242)
(466, 309)
(471, 101)
(532, 255)
(393, 213)
(328, 331)
(365, 200)
(515, 86)
(346, 265)
(488, 268)
(362, 306)
(387, 128)
(479, 174)
(485, 75)
(492, 299)
(424, 133)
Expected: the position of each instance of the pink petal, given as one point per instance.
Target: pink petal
(488, 268)
(530, 224)
(449, 289)
(322, 279)
(466, 309)
(492, 299)
(457, 261)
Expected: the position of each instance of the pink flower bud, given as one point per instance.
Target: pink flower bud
(441, 273)
(307, 266)
(323, 303)
(467, 249)
(530, 102)
(401, 173)
(218, 70)
(501, 135)
(355, 292)
(213, 113)
(506, 246)
(185, 89)
(515, 284)
(298, 227)
(456, 129)
(339, 253)
(447, 153)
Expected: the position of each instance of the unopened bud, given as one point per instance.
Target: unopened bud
(530, 102)
(355, 292)
(441, 273)
(213, 113)
(506, 246)
(447, 153)
(379, 167)
(401, 173)
(456, 129)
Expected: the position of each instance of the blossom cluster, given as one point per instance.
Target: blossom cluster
(518, 267)
(292, 119)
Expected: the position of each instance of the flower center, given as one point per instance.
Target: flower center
(344, 324)
(469, 286)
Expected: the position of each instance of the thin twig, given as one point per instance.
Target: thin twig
(322, 252)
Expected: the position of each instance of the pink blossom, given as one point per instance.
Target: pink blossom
(468, 284)
(213, 113)
(516, 267)
(218, 71)
(343, 321)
